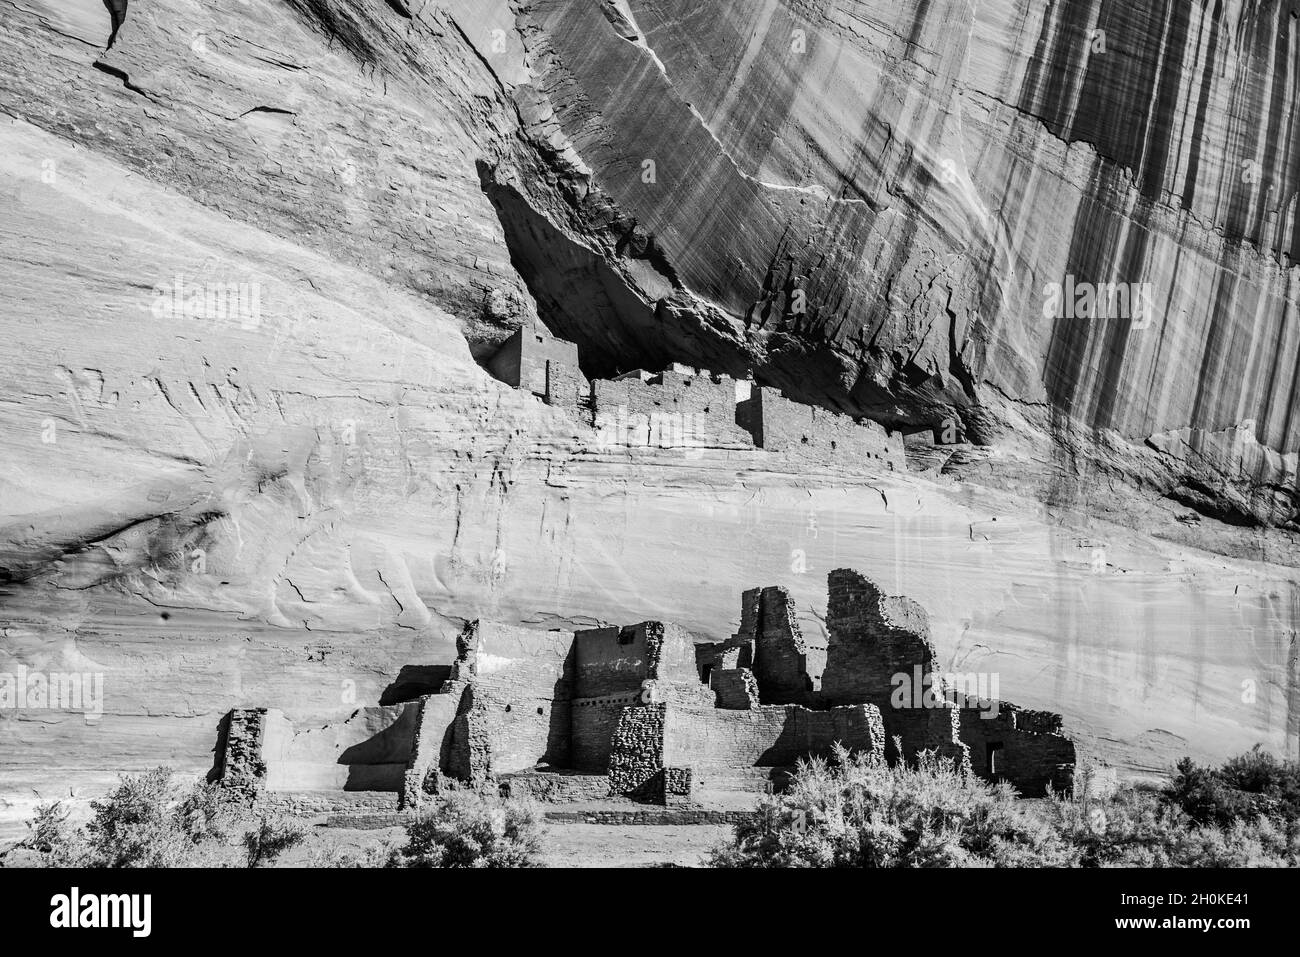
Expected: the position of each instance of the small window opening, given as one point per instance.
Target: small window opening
(994, 764)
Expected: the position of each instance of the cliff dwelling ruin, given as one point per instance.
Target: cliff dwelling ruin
(686, 407)
(649, 713)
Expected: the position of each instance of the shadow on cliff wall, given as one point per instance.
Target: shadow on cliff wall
(415, 681)
(579, 296)
(379, 763)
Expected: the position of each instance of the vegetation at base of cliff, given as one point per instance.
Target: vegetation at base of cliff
(855, 811)
(147, 821)
(468, 828)
(460, 827)
(848, 810)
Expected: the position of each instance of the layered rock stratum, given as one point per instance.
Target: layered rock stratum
(862, 202)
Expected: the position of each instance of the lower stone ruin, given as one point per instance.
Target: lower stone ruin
(648, 713)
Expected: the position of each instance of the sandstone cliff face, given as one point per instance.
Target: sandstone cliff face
(282, 501)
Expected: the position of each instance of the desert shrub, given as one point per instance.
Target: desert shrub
(135, 825)
(1142, 827)
(376, 854)
(856, 811)
(147, 821)
(1204, 797)
(467, 828)
(50, 835)
(1248, 787)
(270, 837)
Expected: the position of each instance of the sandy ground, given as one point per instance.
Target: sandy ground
(565, 845)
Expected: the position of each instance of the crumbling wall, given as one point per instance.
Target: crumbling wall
(813, 434)
(239, 746)
(504, 708)
(872, 639)
(735, 689)
(723, 656)
(675, 409)
(555, 786)
(787, 666)
(469, 752)
(431, 745)
(1020, 746)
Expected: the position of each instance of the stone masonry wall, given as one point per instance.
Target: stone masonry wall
(1024, 748)
(814, 434)
(637, 749)
(593, 725)
(610, 661)
(787, 666)
(873, 637)
(673, 409)
(523, 686)
(534, 360)
(431, 745)
(242, 767)
(735, 689)
(770, 736)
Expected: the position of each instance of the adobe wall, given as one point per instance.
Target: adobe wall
(611, 661)
(534, 360)
(814, 434)
(523, 680)
(672, 409)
